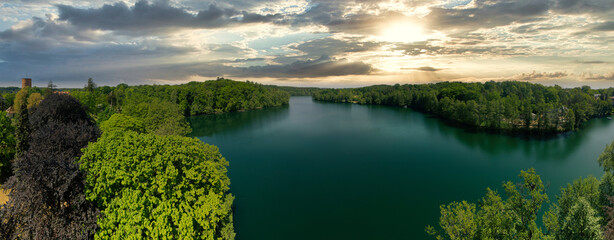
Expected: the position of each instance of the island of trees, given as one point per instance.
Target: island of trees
(507, 106)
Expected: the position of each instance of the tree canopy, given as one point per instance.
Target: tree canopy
(7, 146)
(47, 198)
(122, 122)
(606, 159)
(158, 187)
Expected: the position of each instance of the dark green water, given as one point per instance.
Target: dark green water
(344, 171)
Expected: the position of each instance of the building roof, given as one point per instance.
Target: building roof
(11, 110)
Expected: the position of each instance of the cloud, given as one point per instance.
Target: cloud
(322, 67)
(591, 76)
(44, 34)
(583, 6)
(145, 18)
(539, 76)
(606, 26)
(591, 62)
(463, 48)
(334, 46)
(424, 69)
(487, 14)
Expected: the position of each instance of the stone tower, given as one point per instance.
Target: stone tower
(26, 82)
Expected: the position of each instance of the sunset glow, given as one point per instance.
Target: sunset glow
(308, 42)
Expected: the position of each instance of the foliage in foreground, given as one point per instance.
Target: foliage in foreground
(158, 187)
(7, 146)
(584, 210)
(47, 198)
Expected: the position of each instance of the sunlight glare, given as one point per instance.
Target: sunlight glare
(403, 32)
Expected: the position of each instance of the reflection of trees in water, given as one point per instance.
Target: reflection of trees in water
(544, 148)
(207, 125)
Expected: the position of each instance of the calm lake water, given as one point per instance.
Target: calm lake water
(344, 171)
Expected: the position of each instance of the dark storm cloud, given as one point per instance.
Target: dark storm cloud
(583, 6)
(606, 26)
(321, 67)
(159, 16)
(237, 4)
(488, 14)
(40, 29)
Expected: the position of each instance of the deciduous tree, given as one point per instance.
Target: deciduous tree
(158, 187)
(47, 198)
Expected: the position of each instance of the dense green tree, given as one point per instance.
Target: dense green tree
(458, 221)
(3, 104)
(162, 117)
(189, 99)
(121, 122)
(495, 218)
(50, 88)
(90, 86)
(7, 146)
(34, 99)
(513, 218)
(587, 188)
(608, 233)
(22, 131)
(21, 98)
(525, 199)
(551, 221)
(158, 187)
(606, 159)
(582, 222)
(606, 190)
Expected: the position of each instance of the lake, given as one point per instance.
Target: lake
(316, 170)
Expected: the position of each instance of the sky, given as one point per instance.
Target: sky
(322, 43)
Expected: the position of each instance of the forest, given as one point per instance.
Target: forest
(163, 107)
(503, 106)
(114, 162)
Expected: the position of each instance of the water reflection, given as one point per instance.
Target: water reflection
(208, 125)
(548, 148)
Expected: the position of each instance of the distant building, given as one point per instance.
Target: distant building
(597, 96)
(26, 82)
(61, 92)
(10, 112)
(612, 99)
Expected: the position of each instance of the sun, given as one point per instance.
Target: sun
(402, 32)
